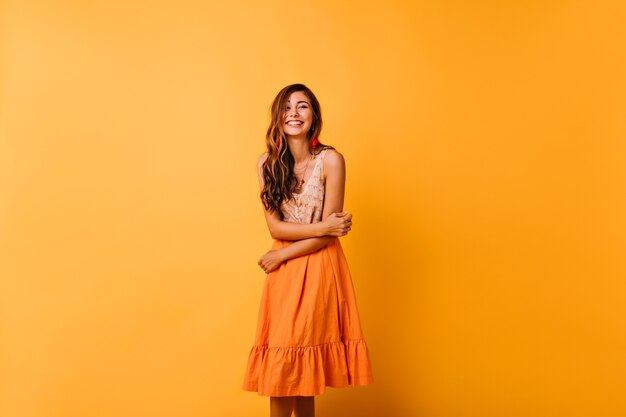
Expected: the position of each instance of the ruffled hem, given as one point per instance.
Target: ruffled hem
(307, 370)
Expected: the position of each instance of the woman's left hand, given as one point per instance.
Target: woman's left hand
(271, 260)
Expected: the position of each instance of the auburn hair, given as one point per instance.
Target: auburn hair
(278, 176)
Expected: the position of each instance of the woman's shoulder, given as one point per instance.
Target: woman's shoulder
(259, 164)
(332, 156)
(332, 162)
(262, 158)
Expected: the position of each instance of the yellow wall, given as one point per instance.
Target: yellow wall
(485, 150)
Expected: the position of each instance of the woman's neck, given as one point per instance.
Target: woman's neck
(299, 148)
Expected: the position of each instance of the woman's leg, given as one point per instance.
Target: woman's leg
(305, 406)
(281, 406)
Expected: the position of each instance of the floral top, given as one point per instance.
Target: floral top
(306, 207)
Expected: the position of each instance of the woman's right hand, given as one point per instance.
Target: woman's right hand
(337, 224)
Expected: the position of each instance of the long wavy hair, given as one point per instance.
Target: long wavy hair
(279, 178)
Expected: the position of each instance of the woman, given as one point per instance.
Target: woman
(308, 335)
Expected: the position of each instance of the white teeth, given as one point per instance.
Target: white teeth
(294, 123)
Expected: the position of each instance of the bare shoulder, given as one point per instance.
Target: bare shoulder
(262, 159)
(333, 164)
(334, 160)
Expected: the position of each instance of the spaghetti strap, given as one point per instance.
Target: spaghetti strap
(322, 155)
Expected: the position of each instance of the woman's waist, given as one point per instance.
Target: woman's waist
(284, 242)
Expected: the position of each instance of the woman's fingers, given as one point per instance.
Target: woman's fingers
(267, 267)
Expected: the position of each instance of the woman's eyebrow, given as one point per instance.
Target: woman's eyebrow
(301, 101)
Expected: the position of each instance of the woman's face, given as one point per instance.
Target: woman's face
(298, 115)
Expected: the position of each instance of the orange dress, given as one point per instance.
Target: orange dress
(309, 334)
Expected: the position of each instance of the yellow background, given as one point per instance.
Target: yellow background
(484, 142)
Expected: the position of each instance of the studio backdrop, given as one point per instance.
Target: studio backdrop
(485, 155)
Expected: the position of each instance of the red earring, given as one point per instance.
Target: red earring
(314, 143)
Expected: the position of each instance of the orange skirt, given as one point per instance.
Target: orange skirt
(309, 334)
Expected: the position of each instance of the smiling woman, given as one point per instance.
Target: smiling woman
(309, 334)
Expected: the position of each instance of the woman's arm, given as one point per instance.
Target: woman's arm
(335, 172)
(280, 229)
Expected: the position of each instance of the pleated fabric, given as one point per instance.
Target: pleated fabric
(308, 335)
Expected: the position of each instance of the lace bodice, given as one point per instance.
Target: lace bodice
(306, 207)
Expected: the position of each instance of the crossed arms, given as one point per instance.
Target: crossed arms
(309, 237)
